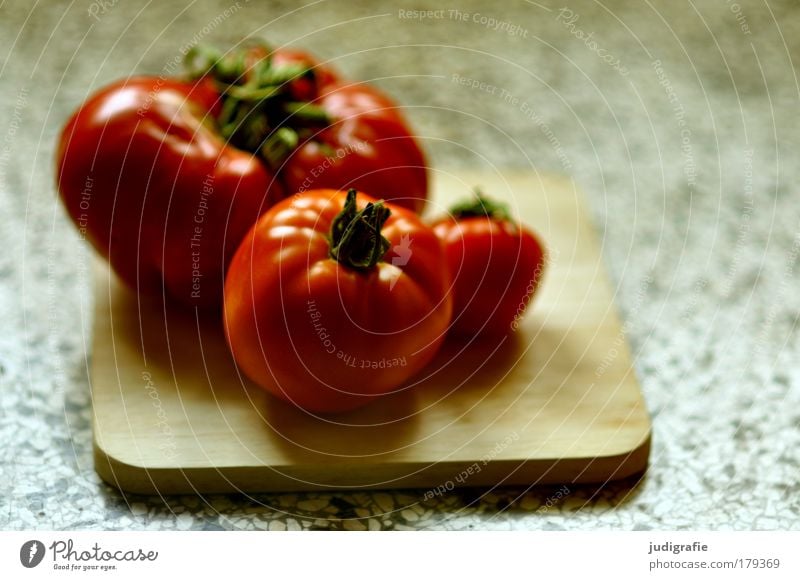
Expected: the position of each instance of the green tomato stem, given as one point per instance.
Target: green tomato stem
(480, 206)
(258, 113)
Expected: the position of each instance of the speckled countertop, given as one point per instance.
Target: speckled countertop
(680, 122)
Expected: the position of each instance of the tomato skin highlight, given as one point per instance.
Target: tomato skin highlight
(320, 334)
(496, 267)
(156, 191)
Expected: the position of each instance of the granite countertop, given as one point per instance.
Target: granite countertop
(677, 120)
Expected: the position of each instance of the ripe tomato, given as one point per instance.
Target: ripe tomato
(315, 130)
(366, 145)
(157, 191)
(331, 301)
(164, 177)
(496, 266)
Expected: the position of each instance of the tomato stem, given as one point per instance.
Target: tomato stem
(355, 237)
(480, 206)
(258, 113)
(279, 145)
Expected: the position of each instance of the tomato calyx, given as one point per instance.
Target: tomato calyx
(259, 112)
(355, 237)
(480, 206)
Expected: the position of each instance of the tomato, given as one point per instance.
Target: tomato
(148, 180)
(315, 130)
(165, 176)
(496, 266)
(334, 298)
(367, 146)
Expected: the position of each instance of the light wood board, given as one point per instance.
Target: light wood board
(557, 401)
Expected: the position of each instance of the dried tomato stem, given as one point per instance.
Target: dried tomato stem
(356, 239)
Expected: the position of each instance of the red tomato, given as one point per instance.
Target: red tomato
(165, 177)
(496, 266)
(157, 191)
(330, 302)
(315, 130)
(367, 146)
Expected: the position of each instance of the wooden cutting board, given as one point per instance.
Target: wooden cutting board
(556, 401)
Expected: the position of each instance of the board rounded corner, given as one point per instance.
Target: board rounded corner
(633, 461)
(120, 474)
